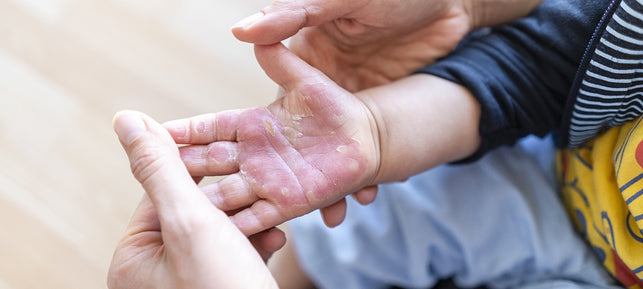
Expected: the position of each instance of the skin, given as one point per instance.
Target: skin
(314, 145)
(283, 159)
(176, 237)
(365, 43)
(318, 142)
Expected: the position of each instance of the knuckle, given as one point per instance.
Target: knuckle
(189, 225)
(145, 163)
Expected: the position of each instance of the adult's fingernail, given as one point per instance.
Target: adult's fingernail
(248, 21)
(128, 125)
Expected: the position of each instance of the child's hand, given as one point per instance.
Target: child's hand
(310, 148)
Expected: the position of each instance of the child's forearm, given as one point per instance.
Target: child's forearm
(493, 12)
(423, 121)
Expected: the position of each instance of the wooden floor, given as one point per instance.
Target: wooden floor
(66, 66)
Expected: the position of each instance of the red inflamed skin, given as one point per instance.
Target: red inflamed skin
(310, 148)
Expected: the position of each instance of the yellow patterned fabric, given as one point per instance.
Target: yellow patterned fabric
(602, 186)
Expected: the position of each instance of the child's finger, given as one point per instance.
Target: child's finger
(230, 193)
(216, 159)
(366, 195)
(334, 214)
(285, 68)
(205, 128)
(258, 217)
(268, 242)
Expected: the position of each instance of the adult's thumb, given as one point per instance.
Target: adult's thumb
(155, 162)
(284, 18)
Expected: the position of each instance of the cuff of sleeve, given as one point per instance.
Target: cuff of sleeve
(495, 130)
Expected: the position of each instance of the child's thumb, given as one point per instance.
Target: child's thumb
(285, 68)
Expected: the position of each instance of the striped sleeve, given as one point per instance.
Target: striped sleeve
(611, 90)
(521, 73)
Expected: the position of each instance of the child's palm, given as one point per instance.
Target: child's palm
(307, 150)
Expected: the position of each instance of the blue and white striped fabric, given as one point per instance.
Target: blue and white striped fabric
(611, 92)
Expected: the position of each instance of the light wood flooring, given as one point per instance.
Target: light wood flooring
(66, 66)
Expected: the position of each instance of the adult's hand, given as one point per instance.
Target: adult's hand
(364, 43)
(310, 148)
(177, 238)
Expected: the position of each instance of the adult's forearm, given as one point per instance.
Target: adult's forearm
(423, 121)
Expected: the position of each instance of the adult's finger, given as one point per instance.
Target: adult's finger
(283, 18)
(156, 164)
(198, 239)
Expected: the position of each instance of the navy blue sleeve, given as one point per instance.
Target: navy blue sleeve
(522, 72)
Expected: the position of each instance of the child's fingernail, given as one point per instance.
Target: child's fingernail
(248, 21)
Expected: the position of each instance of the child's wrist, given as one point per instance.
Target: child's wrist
(420, 122)
(378, 131)
(484, 13)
